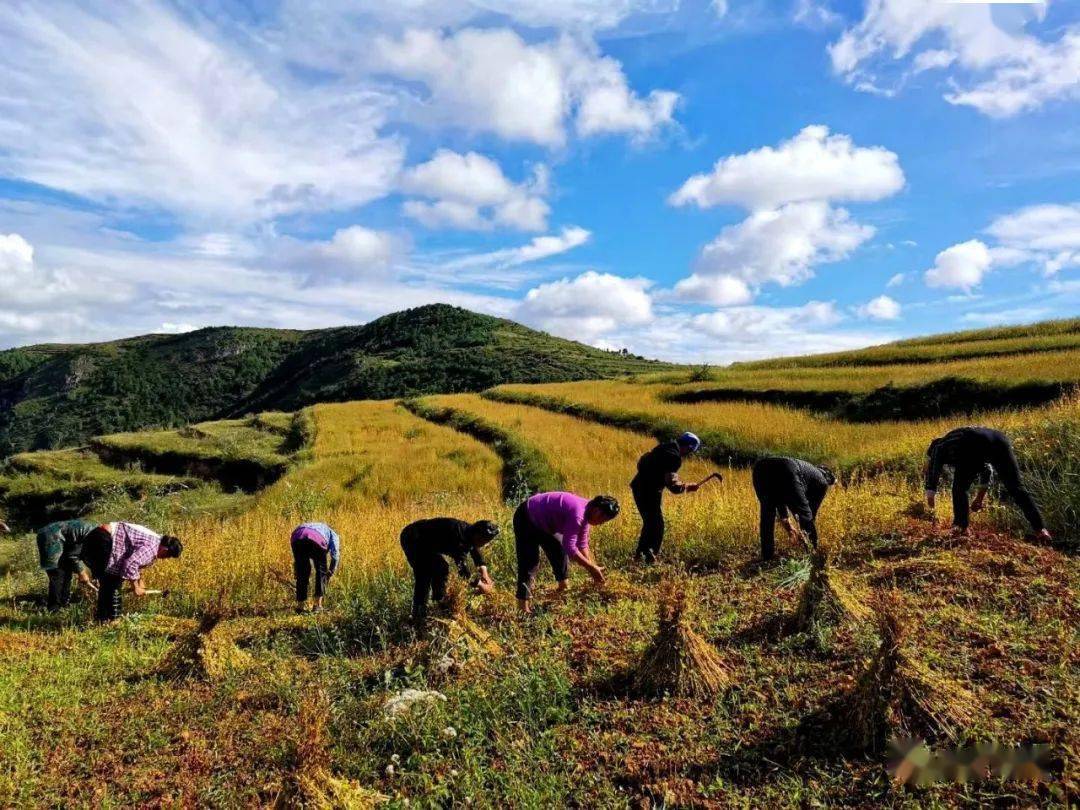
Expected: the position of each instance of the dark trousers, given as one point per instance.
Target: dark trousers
(1003, 460)
(95, 554)
(109, 598)
(59, 587)
(780, 489)
(649, 502)
(528, 542)
(308, 554)
(431, 572)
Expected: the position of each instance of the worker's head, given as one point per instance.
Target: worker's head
(601, 509)
(170, 547)
(482, 532)
(688, 443)
(830, 477)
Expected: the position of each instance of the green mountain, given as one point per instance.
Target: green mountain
(60, 395)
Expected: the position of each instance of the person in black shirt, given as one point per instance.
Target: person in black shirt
(789, 484)
(427, 543)
(975, 453)
(658, 470)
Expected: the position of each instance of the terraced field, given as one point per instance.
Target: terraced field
(292, 710)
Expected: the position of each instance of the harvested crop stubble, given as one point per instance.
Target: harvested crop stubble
(898, 695)
(678, 661)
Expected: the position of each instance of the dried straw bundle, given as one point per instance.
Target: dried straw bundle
(205, 654)
(827, 598)
(899, 695)
(678, 661)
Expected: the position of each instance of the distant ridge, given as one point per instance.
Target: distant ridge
(60, 395)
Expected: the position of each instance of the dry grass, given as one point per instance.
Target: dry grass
(678, 661)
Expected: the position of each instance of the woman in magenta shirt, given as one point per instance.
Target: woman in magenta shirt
(558, 524)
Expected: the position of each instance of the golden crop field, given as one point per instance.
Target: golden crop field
(992, 616)
(376, 468)
(775, 429)
(1052, 366)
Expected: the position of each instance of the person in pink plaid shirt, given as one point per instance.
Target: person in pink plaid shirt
(118, 552)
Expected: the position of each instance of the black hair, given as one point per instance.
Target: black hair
(830, 477)
(608, 506)
(484, 530)
(172, 546)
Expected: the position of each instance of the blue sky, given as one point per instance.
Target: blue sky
(696, 180)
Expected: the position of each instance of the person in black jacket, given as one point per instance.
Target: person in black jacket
(658, 470)
(975, 454)
(785, 485)
(427, 543)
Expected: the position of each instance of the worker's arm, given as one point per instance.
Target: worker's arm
(576, 546)
(484, 582)
(933, 476)
(986, 477)
(677, 486)
(333, 544)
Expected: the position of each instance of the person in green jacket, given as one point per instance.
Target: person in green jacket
(60, 547)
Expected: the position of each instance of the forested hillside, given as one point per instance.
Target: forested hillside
(54, 396)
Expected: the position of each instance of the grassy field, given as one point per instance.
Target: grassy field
(291, 710)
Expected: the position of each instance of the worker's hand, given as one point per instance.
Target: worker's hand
(597, 574)
(977, 501)
(4, 528)
(788, 528)
(931, 502)
(484, 586)
(138, 587)
(1044, 536)
(525, 606)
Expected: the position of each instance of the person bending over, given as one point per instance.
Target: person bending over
(314, 546)
(427, 544)
(119, 552)
(60, 547)
(784, 485)
(976, 454)
(558, 524)
(658, 470)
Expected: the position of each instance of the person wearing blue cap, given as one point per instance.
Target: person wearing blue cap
(658, 470)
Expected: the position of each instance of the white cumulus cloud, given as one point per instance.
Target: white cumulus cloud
(588, 306)
(961, 266)
(997, 71)
(470, 192)
(780, 246)
(814, 165)
(882, 308)
(492, 80)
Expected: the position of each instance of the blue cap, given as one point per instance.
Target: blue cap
(691, 441)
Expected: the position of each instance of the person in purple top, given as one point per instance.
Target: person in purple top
(314, 546)
(557, 523)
